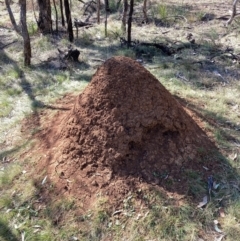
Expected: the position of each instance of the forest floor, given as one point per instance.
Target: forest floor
(199, 66)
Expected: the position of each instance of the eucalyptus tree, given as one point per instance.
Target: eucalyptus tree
(44, 19)
(22, 29)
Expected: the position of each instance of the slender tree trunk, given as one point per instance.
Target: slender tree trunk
(107, 5)
(98, 11)
(56, 12)
(62, 15)
(106, 16)
(25, 35)
(130, 23)
(33, 7)
(69, 20)
(234, 12)
(15, 26)
(124, 15)
(145, 11)
(118, 4)
(23, 30)
(44, 19)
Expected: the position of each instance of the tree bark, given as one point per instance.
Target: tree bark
(23, 30)
(98, 11)
(62, 15)
(15, 26)
(124, 15)
(56, 13)
(106, 16)
(44, 19)
(118, 4)
(130, 23)
(69, 20)
(145, 11)
(25, 35)
(234, 12)
(107, 6)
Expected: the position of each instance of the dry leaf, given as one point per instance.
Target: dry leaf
(206, 168)
(221, 213)
(215, 185)
(233, 156)
(219, 238)
(216, 227)
(203, 203)
(44, 180)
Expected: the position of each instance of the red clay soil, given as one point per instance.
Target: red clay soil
(124, 130)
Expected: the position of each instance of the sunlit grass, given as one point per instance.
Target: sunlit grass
(7, 175)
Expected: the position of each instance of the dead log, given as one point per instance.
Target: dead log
(80, 24)
(165, 49)
(70, 54)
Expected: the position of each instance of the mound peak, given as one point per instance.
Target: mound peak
(124, 129)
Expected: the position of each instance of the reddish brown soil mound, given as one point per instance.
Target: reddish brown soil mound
(124, 129)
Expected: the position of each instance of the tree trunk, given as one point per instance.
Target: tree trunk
(62, 15)
(15, 26)
(124, 15)
(234, 12)
(118, 4)
(107, 6)
(25, 35)
(69, 20)
(56, 13)
(23, 31)
(44, 19)
(145, 11)
(130, 22)
(98, 11)
(106, 16)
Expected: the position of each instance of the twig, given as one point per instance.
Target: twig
(4, 46)
(99, 60)
(178, 75)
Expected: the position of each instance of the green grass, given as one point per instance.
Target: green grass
(8, 174)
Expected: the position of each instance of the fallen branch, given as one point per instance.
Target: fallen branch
(80, 24)
(98, 60)
(165, 49)
(4, 46)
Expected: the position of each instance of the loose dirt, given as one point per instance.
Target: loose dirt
(125, 130)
